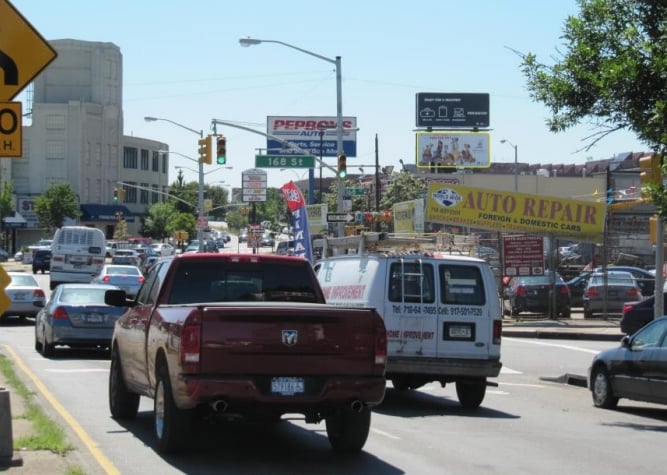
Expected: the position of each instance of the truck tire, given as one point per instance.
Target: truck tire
(172, 425)
(471, 394)
(123, 403)
(347, 430)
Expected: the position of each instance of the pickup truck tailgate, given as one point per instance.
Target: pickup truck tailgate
(267, 338)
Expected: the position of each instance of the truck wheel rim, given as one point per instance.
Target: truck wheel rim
(159, 409)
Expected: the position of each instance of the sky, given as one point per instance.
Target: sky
(182, 61)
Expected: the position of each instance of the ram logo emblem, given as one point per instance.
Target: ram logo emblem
(290, 337)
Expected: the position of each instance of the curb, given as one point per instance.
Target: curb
(563, 335)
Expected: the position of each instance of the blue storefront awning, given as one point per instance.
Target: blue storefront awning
(94, 212)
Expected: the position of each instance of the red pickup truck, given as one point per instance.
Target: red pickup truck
(244, 335)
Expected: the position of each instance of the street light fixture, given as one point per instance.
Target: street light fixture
(200, 200)
(516, 163)
(339, 117)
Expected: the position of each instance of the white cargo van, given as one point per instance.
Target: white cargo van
(442, 311)
(78, 254)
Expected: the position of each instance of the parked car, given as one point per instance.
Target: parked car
(644, 278)
(41, 260)
(533, 294)
(127, 278)
(225, 236)
(76, 316)
(243, 236)
(128, 257)
(621, 287)
(18, 257)
(638, 314)
(636, 370)
(577, 286)
(26, 296)
(4, 255)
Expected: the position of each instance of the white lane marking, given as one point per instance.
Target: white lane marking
(506, 370)
(385, 434)
(523, 385)
(554, 345)
(83, 370)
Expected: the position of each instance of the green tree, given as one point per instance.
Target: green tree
(57, 203)
(157, 221)
(6, 202)
(402, 186)
(612, 72)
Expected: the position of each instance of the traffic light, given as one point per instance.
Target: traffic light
(115, 195)
(222, 150)
(342, 166)
(650, 172)
(205, 152)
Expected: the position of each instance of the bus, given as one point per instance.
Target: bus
(77, 254)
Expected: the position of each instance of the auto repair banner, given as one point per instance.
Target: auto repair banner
(297, 206)
(515, 212)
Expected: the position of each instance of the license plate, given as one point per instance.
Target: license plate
(19, 296)
(287, 386)
(459, 331)
(94, 318)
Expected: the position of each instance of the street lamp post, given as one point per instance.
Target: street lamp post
(516, 163)
(200, 200)
(339, 115)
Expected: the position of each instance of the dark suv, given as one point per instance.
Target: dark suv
(41, 261)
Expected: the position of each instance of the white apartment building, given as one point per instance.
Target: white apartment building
(75, 135)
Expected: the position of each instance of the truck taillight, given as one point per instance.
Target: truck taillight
(497, 331)
(381, 347)
(191, 344)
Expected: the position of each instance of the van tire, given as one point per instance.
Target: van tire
(347, 431)
(471, 393)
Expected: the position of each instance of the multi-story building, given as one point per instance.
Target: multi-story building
(75, 136)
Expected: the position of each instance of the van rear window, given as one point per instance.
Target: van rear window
(462, 285)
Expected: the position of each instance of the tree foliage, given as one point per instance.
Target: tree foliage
(55, 204)
(402, 186)
(613, 71)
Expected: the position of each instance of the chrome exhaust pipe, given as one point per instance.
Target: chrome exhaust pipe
(220, 405)
(357, 406)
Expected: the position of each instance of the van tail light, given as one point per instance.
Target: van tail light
(191, 343)
(60, 314)
(520, 291)
(497, 331)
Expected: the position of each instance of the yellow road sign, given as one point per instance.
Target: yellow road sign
(23, 52)
(5, 301)
(11, 131)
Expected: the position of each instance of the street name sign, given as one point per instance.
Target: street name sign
(355, 191)
(340, 217)
(282, 161)
(24, 53)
